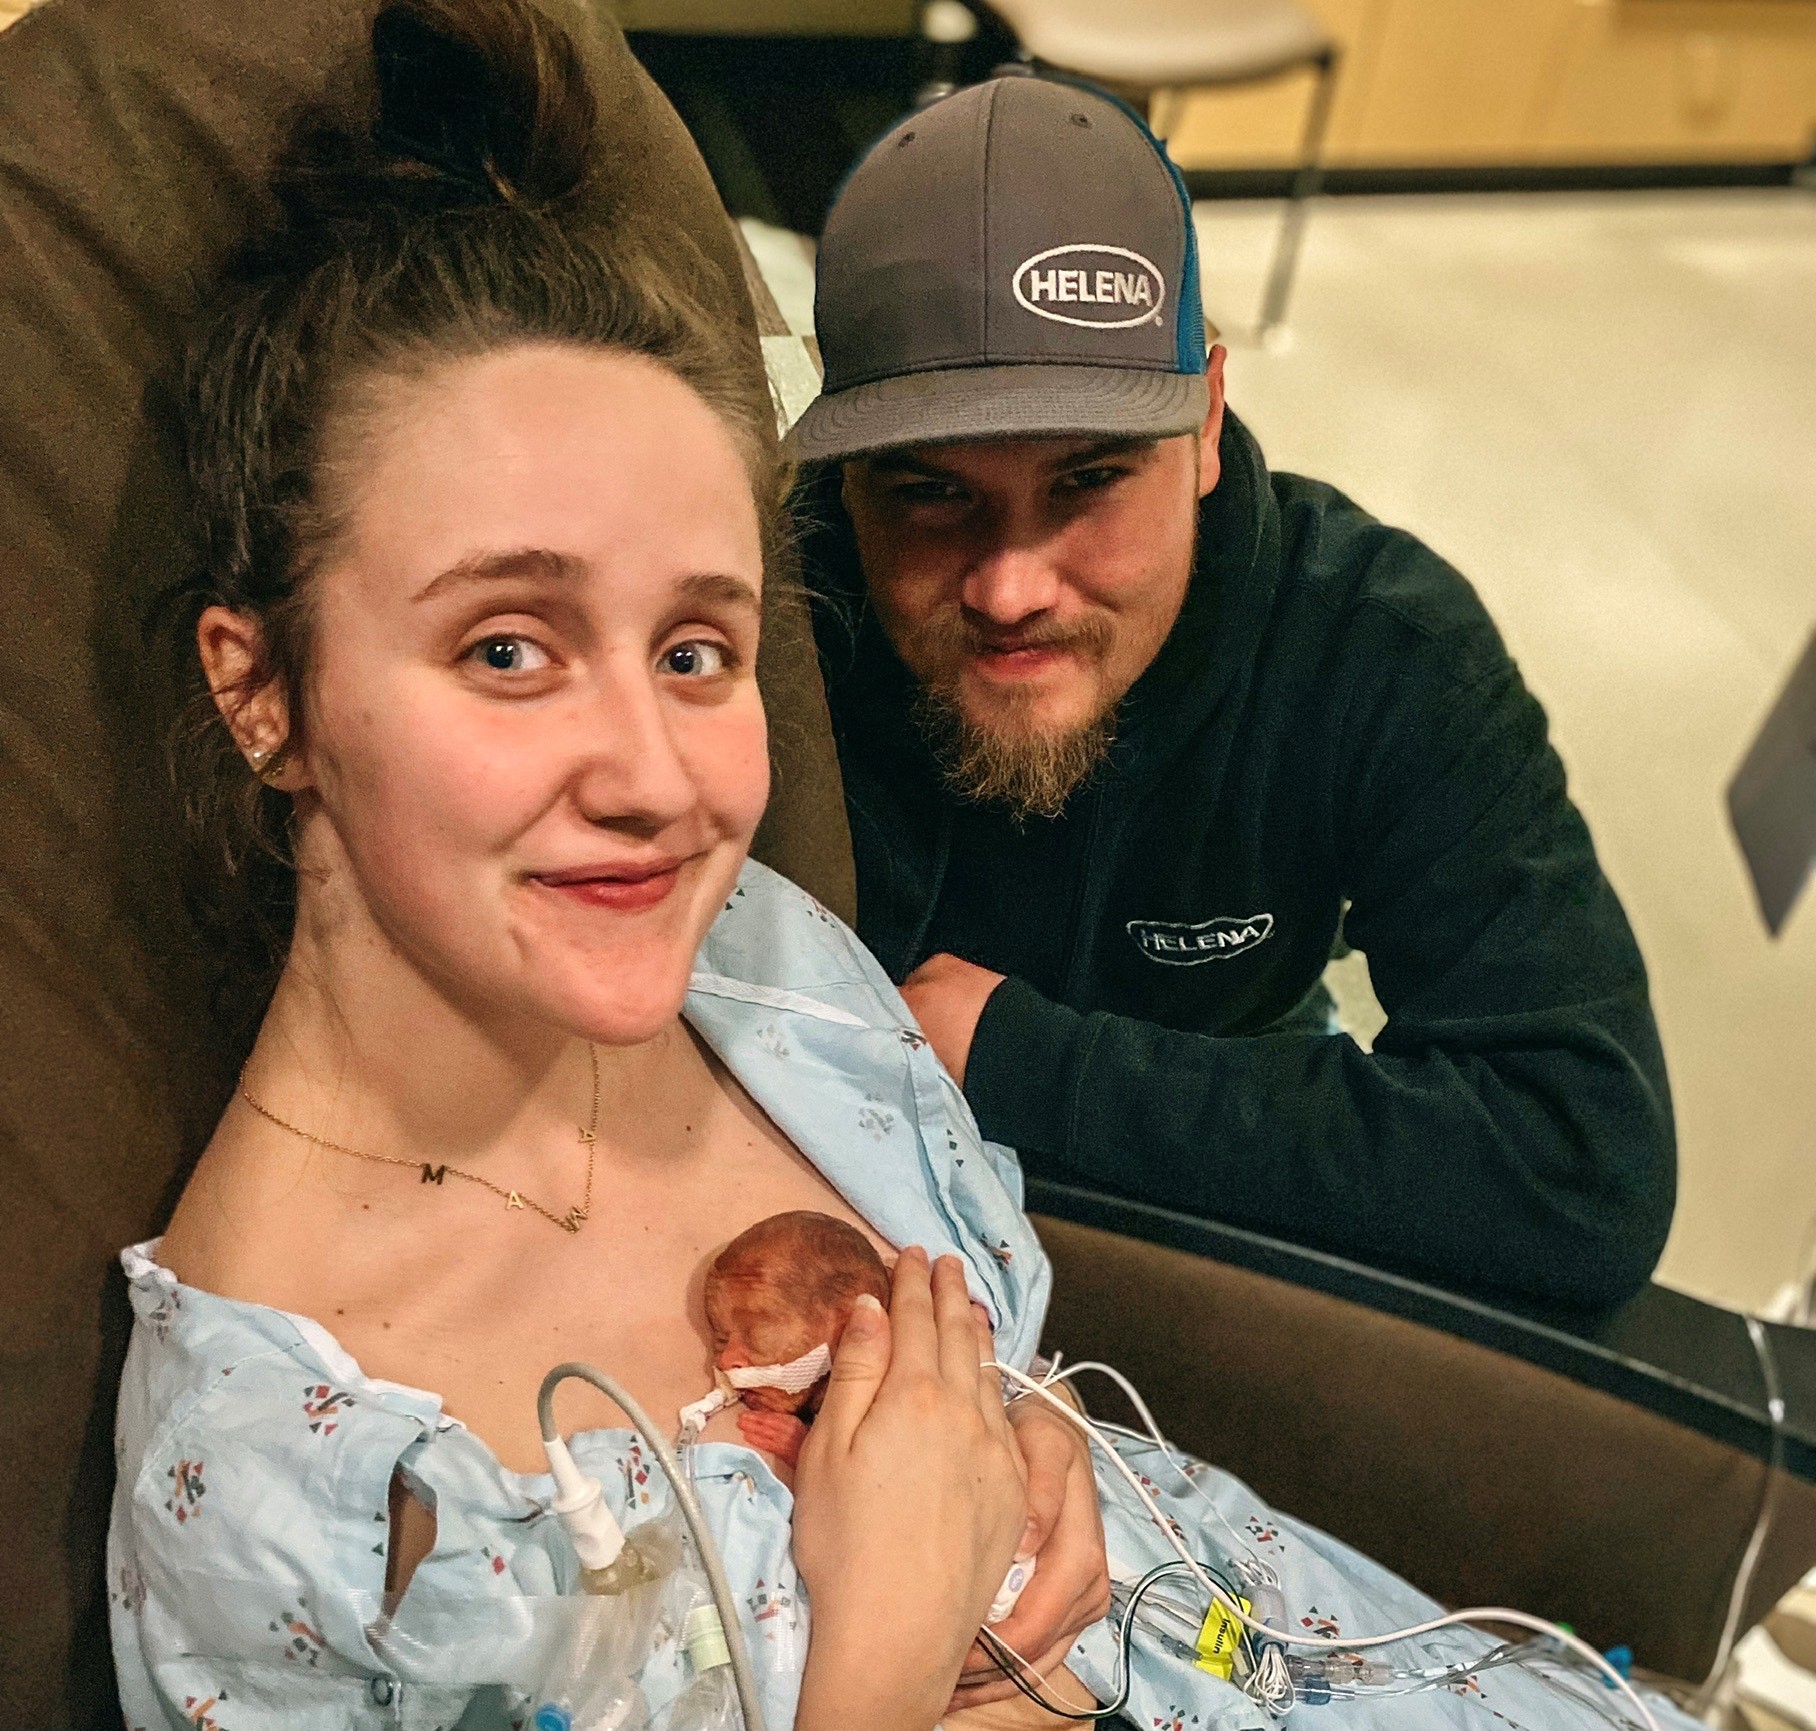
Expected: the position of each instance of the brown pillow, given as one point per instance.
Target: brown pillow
(135, 136)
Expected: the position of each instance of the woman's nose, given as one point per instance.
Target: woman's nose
(633, 772)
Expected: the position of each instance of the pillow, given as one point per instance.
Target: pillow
(135, 137)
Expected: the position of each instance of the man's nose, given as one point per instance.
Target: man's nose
(633, 773)
(1010, 582)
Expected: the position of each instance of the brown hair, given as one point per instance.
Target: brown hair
(819, 1261)
(467, 216)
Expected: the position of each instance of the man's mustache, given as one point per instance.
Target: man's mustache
(952, 634)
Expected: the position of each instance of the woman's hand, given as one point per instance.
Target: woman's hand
(1071, 1586)
(909, 1503)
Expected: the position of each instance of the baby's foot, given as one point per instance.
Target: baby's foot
(778, 1433)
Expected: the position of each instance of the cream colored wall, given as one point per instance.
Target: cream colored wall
(1535, 81)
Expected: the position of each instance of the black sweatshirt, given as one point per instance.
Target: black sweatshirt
(1333, 724)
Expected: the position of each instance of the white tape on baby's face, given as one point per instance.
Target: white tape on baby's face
(794, 1376)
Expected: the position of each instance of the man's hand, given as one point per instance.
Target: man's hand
(1071, 1587)
(947, 996)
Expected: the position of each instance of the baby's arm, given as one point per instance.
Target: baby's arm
(778, 1433)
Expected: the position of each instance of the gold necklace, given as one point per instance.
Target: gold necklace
(432, 1174)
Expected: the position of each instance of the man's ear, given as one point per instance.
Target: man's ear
(1210, 463)
(252, 701)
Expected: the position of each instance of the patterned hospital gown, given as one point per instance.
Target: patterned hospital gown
(247, 1550)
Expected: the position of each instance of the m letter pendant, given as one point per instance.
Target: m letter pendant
(571, 1222)
(433, 1174)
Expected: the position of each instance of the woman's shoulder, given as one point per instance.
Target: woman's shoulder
(224, 1395)
(773, 938)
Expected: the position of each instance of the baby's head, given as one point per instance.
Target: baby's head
(783, 1287)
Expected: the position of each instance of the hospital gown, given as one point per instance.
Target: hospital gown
(247, 1549)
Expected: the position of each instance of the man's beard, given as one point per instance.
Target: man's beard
(1010, 764)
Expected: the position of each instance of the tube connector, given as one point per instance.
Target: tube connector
(580, 1502)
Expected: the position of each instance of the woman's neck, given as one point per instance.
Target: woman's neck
(361, 1048)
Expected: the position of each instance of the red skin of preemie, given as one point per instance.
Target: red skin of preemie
(778, 1290)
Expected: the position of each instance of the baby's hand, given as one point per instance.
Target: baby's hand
(778, 1433)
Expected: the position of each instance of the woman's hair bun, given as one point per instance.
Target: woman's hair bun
(491, 95)
(481, 103)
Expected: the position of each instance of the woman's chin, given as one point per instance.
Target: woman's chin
(601, 1011)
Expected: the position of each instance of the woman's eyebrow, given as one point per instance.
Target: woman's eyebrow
(719, 586)
(536, 562)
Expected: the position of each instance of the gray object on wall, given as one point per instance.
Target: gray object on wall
(1772, 798)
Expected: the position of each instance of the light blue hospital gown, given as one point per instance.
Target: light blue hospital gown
(247, 1552)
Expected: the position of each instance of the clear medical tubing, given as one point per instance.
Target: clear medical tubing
(737, 1652)
(710, 1701)
(1347, 1643)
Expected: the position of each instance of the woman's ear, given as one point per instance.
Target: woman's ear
(251, 699)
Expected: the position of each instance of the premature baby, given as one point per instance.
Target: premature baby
(778, 1292)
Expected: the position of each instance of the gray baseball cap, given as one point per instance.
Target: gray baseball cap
(1015, 261)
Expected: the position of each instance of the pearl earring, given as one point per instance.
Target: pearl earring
(267, 763)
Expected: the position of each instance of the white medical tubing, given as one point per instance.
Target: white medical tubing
(742, 1674)
(1343, 1644)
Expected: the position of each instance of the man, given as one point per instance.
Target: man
(1133, 731)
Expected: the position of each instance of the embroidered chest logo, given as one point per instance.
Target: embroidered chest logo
(1099, 287)
(1185, 946)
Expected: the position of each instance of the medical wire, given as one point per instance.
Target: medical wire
(1014, 1665)
(743, 1677)
(1344, 1644)
(1506, 1653)
(1159, 1441)
(1762, 1521)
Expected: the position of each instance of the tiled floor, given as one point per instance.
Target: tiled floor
(1603, 410)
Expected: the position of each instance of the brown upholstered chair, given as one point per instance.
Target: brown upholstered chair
(134, 135)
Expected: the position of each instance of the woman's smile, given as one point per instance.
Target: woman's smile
(622, 888)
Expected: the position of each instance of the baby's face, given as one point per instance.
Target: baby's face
(751, 1325)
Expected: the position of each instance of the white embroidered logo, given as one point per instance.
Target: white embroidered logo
(1185, 946)
(1126, 287)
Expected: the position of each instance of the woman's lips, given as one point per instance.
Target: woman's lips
(623, 891)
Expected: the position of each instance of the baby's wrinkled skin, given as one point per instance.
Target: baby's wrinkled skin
(778, 1290)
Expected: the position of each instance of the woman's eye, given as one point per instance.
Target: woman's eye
(509, 655)
(694, 659)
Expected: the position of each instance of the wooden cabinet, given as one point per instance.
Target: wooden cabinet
(1469, 82)
(768, 17)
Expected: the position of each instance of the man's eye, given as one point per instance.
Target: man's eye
(694, 659)
(509, 655)
(1091, 479)
(929, 492)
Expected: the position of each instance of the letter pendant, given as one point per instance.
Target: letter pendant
(588, 1136)
(571, 1221)
(513, 1200)
(433, 1174)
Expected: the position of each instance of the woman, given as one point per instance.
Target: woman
(489, 524)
